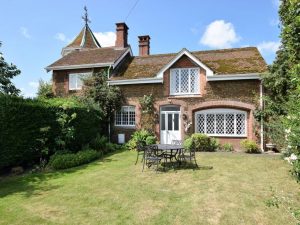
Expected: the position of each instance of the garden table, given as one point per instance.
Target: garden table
(170, 151)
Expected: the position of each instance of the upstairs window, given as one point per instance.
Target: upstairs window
(184, 81)
(126, 116)
(76, 80)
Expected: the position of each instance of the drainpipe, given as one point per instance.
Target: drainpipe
(109, 129)
(261, 122)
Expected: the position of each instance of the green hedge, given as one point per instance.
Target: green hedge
(21, 120)
(68, 160)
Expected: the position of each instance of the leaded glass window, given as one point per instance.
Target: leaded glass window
(185, 81)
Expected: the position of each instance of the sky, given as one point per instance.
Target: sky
(34, 32)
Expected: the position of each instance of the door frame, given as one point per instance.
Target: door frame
(164, 132)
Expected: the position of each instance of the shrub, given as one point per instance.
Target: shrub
(227, 147)
(150, 140)
(139, 136)
(68, 160)
(204, 143)
(102, 145)
(296, 169)
(188, 144)
(250, 146)
(22, 119)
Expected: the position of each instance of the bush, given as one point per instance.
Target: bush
(188, 144)
(227, 147)
(68, 160)
(102, 145)
(250, 146)
(296, 169)
(204, 143)
(22, 119)
(139, 136)
(150, 140)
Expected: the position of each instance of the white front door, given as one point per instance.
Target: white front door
(169, 126)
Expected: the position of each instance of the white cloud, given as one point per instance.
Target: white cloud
(33, 84)
(25, 33)
(268, 47)
(219, 34)
(106, 38)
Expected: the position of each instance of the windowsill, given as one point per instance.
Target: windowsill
(125, 126)
(226, 136)
(78, 89)
(186, 96)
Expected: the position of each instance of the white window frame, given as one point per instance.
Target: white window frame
(172, 88)
(223, 111)
(130, 108)
(77, 76)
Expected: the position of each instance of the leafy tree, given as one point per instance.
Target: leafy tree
(45, 90)
(7, 72)
(100, 95)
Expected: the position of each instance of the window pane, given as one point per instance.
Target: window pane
(131, 118)
(118, 118)
(176, 81)
(176, 121)
(240, 124)
(194, 77)
(170, 108)
(163, 122)
(210, 123)
(184, 80)
(220, 122)
(79, 79)
(72, 81)
(170, 122)
(200, 123)
(229, 125)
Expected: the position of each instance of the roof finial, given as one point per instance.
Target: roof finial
(85, 17)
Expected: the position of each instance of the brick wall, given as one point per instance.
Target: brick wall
(241, 94)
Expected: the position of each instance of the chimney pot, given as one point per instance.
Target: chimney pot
(122, 35)
(144, 45)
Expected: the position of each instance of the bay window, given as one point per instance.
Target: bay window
(221, 122)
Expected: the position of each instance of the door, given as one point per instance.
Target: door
(169, 126)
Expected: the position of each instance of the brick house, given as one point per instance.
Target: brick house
(213, 92)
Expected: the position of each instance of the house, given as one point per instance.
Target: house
(213, 92)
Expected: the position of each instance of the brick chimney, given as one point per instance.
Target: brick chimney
(122, 34)
(144, 45)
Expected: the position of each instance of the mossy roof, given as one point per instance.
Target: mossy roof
(225, 61)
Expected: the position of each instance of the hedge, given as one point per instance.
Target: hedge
(21, 120)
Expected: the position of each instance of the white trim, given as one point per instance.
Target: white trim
(184, 51)
(223, 111)
(82, 66)
(137, 81)
(247, 76)
(122, 57)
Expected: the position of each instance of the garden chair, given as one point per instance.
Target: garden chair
(189, 156)
(169, 156)
(177, 142)
(140, 149)
(152, 157)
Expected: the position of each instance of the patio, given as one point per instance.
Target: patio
(115, 191)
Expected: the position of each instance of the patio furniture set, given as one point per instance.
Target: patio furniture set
(165, 154)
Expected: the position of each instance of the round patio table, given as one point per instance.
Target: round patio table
(172, 151)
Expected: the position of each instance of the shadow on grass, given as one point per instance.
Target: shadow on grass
(165, 167)
(36, 183)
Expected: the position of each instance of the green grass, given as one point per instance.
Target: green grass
(115, 191)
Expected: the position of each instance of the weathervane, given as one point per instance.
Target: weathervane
(85, 17)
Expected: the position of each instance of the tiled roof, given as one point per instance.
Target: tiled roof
(90, 56)
(225, 61)
(85, 39)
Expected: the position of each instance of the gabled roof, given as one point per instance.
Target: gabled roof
(99, 57)
(85, 39)
(226, 61)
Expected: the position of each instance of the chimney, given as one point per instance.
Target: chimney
(122, 33)
(144, 45)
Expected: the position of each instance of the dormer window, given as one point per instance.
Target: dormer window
(184, 81)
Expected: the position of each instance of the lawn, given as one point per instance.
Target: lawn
(115, 191)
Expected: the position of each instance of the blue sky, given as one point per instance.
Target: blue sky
(34, 32)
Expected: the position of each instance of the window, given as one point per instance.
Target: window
(126, 116)
(75, 80)
(221, 122)
(184, 81)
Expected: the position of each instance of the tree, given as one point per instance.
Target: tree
(45, 90)
(7, 72)
(98, 93)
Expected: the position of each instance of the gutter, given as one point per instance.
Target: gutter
(224, 77)
(82, 66)
(153, 80)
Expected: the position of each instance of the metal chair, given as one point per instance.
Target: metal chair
(140, 149)
(151, 156)
(189, 156)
